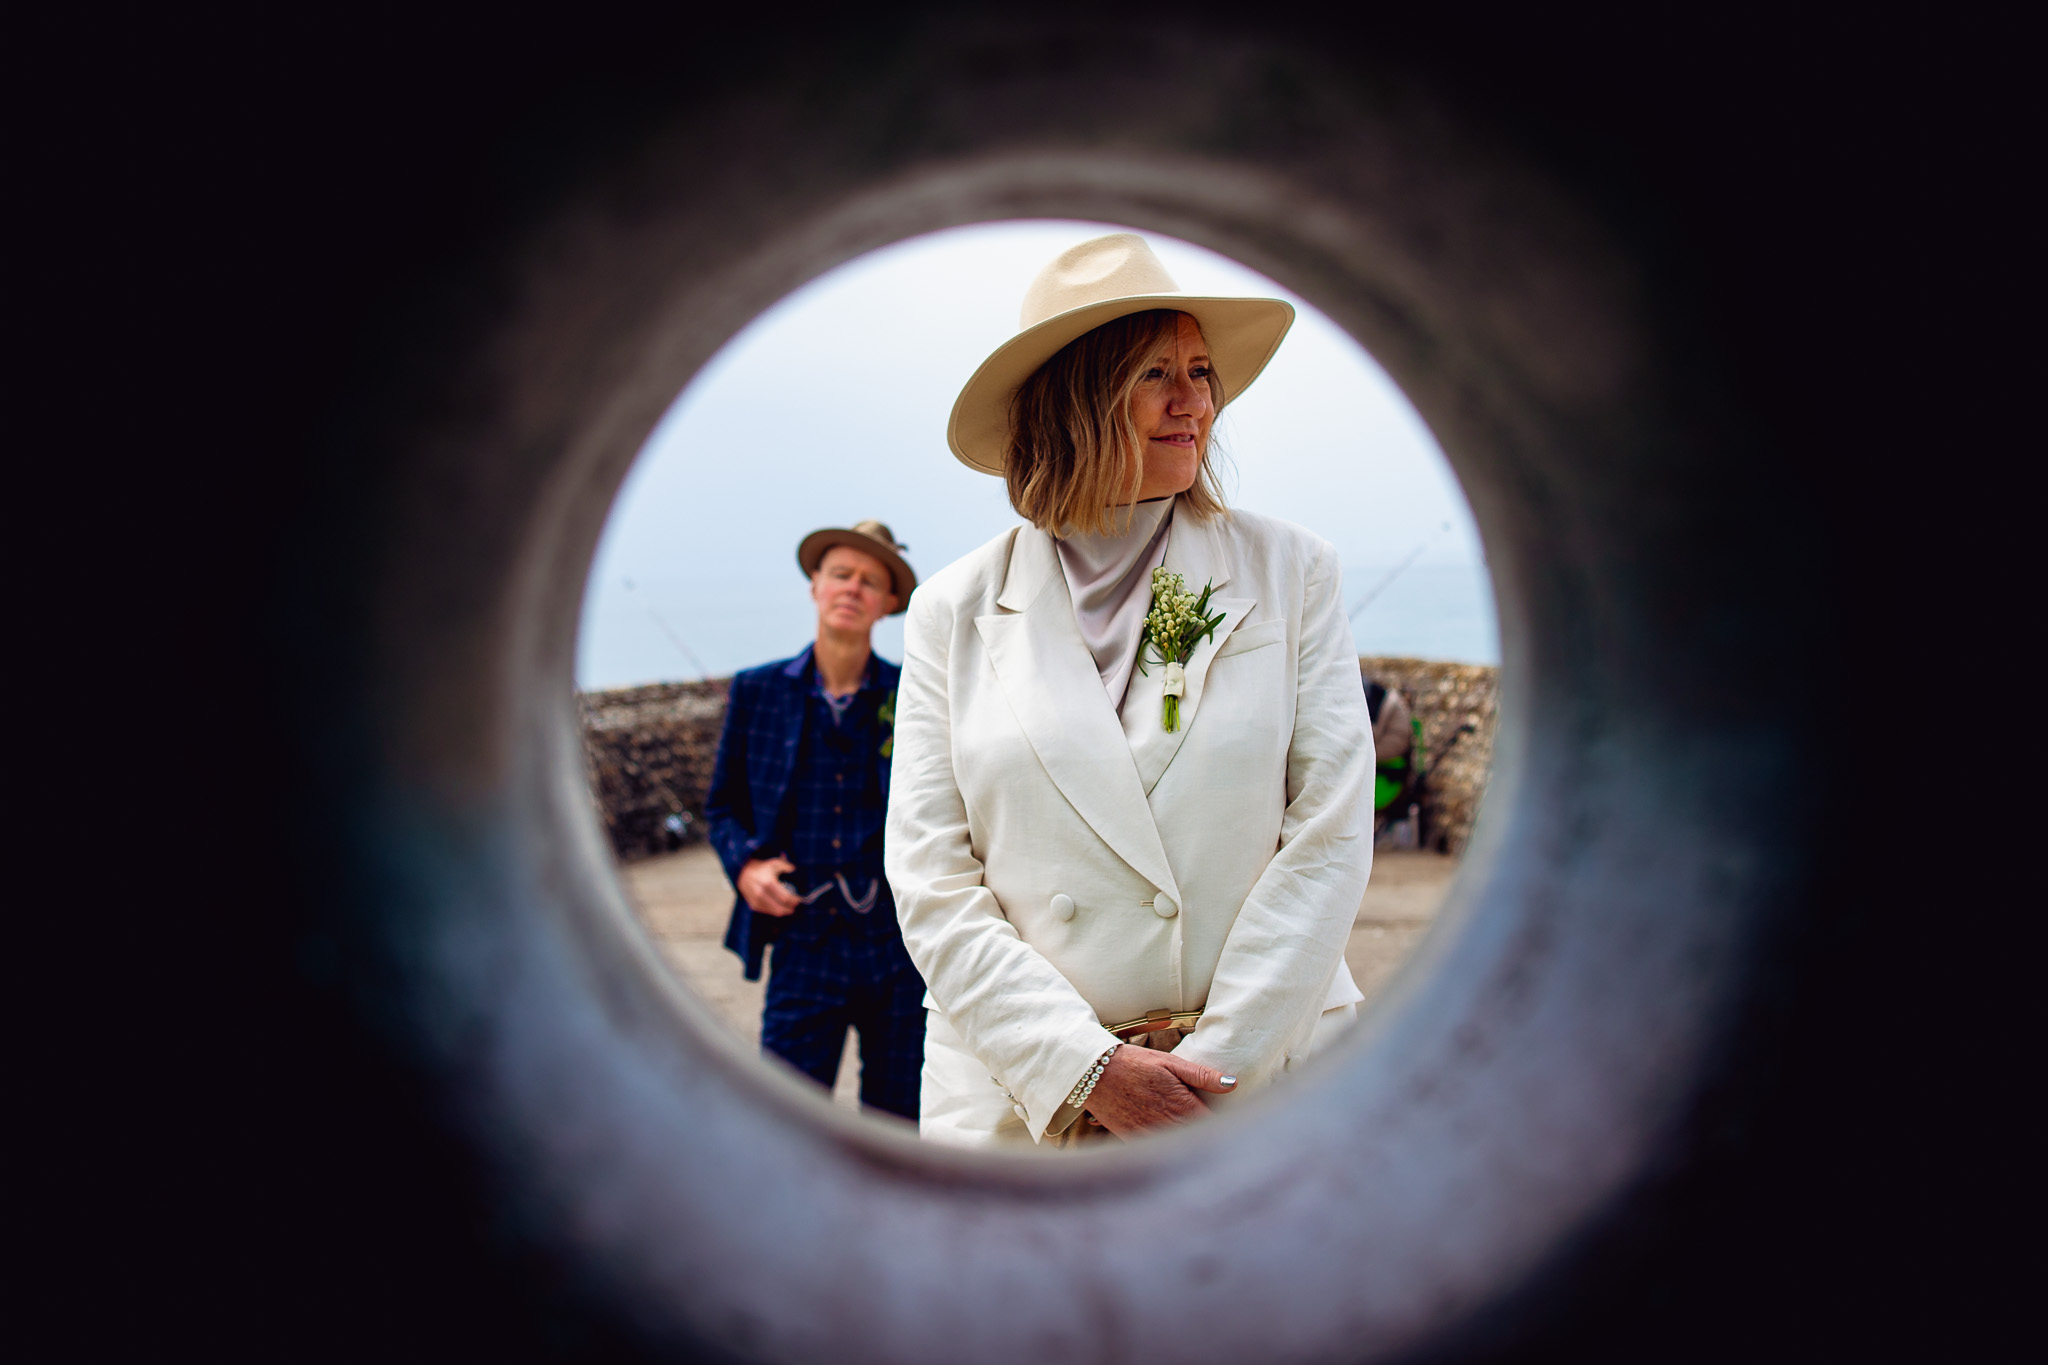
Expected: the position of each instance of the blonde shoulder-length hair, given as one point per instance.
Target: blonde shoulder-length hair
(1075, 457)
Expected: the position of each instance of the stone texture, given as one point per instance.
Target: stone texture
(649, 751)
(1446, 697)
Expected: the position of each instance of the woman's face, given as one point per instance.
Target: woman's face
(1172, 410)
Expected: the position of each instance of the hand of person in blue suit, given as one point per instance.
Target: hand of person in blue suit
(761, 886)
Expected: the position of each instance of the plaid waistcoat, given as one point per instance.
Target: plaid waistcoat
(750, 783)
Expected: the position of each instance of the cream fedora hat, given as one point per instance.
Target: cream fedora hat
(1084, 287)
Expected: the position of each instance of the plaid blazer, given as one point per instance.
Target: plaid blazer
(757, 753)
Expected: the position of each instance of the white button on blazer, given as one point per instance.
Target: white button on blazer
(1017, 793)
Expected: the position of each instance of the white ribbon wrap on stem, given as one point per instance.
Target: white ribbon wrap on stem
(1176, 681)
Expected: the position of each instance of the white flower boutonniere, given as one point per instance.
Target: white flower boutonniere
(1178, 622)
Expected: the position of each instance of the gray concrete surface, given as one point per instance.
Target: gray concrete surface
(683, 899)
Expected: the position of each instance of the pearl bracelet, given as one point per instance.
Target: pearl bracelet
(1087, 1085)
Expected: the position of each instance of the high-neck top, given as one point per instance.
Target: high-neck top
(1110, 579)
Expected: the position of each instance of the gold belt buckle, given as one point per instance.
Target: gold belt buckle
(1154, 1020)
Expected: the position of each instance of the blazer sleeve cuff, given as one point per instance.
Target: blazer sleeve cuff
(1049, 1099)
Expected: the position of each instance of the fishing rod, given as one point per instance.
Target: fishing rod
(1388, 581)
(673, 638)
(1376, 589)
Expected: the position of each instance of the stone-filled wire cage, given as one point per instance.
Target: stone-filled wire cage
(1458, 705)
(649, 751)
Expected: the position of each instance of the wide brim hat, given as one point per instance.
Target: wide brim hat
(1085, 286)
(870, 538)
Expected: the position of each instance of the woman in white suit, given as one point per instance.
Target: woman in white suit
(1121, 924)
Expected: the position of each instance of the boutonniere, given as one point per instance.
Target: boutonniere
(1178, 622)
(886, 714)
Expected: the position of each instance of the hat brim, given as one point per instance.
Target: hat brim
(810, 553)
(1243, 334)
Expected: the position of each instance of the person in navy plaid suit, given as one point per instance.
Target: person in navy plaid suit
(797, 803)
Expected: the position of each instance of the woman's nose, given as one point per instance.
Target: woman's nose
(1190, 397)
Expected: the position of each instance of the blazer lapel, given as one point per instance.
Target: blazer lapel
(1194, 550)
(1053, 689)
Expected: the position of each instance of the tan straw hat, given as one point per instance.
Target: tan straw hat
(870, 538)
(1084, 287)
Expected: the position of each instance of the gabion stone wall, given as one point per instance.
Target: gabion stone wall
(1444, 697)
(649, 751)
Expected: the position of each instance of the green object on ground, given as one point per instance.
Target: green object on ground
(1384, 790)
(1388, 778)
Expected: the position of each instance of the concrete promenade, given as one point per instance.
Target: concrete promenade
(683, 900)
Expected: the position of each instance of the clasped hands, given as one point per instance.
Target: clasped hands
(1142, 1089)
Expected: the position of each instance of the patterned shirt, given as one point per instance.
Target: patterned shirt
(834, 813)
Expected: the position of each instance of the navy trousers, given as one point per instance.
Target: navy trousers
(831, 969)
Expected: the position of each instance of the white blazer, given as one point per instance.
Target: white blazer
(1057, 869)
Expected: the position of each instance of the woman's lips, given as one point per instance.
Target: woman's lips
(1179, 438)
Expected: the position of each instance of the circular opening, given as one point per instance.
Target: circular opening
(829, 408)
(1506, 1096)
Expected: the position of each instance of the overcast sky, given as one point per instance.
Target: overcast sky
(832, 406)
